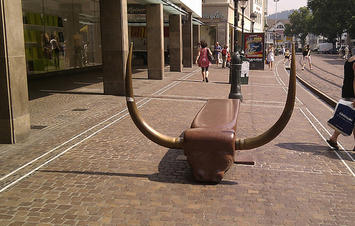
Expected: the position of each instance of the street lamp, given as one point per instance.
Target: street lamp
(243, 5)
(236, 19)
(253, 17)
(276, 1)
(236, 62)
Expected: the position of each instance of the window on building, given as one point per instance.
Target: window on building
(61, 35)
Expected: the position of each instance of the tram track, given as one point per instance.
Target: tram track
(318, 125)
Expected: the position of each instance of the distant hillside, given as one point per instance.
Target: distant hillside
(281, 15)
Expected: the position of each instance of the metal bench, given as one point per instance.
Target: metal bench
(210, 144)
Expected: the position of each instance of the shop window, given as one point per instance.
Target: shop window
(61, 35)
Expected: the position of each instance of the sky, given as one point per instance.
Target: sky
(285, 5)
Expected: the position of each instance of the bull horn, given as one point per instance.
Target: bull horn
(149, 132)
(270, 134)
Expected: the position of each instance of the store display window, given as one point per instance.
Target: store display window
(61, 35)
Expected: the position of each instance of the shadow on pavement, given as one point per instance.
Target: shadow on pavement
(62, 83)
(335, 62)
(171, 170)
(316, 149)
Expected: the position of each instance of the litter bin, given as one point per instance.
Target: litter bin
(244, 77)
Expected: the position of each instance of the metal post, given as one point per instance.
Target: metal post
(236, 19)
(235, 73)
(243, 47)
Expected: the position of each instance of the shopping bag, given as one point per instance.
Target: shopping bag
(344, 118)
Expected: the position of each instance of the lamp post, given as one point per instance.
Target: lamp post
(243, 5)
(236, 19)
(236, 64)
(253, 17)
(276, 1)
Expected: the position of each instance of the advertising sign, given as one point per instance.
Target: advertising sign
(255, 50)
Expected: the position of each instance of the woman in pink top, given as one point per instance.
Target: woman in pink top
(203, 61)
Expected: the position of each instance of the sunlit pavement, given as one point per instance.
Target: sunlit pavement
(86, 163)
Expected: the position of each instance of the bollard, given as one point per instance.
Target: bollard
(234, 75)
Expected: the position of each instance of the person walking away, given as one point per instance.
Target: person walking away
(347, 93)
(307, 57)
(224, 56)
(228, 59)
(346, 52)
(271, 56)
(202, 60)
(217, 52)
(287, 56)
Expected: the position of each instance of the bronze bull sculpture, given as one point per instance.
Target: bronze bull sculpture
(210, 145)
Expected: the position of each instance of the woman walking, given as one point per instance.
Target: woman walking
(348, 93)
(203, 61)
(307, 57)
(270, 56)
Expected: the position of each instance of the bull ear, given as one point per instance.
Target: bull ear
(149, 132)
(270, 134)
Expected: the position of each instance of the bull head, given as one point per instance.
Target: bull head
(214, 175)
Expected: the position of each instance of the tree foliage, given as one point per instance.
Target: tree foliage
(300, 23)
(332, 17)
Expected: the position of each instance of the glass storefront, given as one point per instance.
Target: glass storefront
(61, 35)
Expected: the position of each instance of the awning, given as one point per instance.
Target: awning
(197, 21)
(168, 6)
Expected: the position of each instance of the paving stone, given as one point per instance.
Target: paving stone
(113, 175)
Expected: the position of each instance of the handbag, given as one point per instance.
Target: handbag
(344, 118)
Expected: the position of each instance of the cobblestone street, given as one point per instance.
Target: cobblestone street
(85, 162)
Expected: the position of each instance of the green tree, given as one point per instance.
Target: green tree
(331, 18)
(300, 24)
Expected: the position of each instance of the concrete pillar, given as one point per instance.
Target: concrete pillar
(114, 41)
(14, 104)
(155, 41)
(187, 42)
(175, 42)
(221, 34)
(227, 39)
(196, 40)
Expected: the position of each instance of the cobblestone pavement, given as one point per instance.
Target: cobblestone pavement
(89, 164)
(326, 75)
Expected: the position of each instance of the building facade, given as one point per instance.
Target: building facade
(218, 17)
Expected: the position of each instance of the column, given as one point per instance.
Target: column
(14, 104)
(175, 42)
(196, 40)
(187, 41)
(114, 42)
(221, 33)
(155, 41)
(232, 41)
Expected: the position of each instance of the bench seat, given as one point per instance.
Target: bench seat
(209, 144)
(218, 114)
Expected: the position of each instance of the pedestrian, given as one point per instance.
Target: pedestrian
(203, 61)
(306, 57)
(217, 52)
(225, 53)
(287, 55)
(228, 59)
(346, 52)
(270, 56)
(347, 93)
